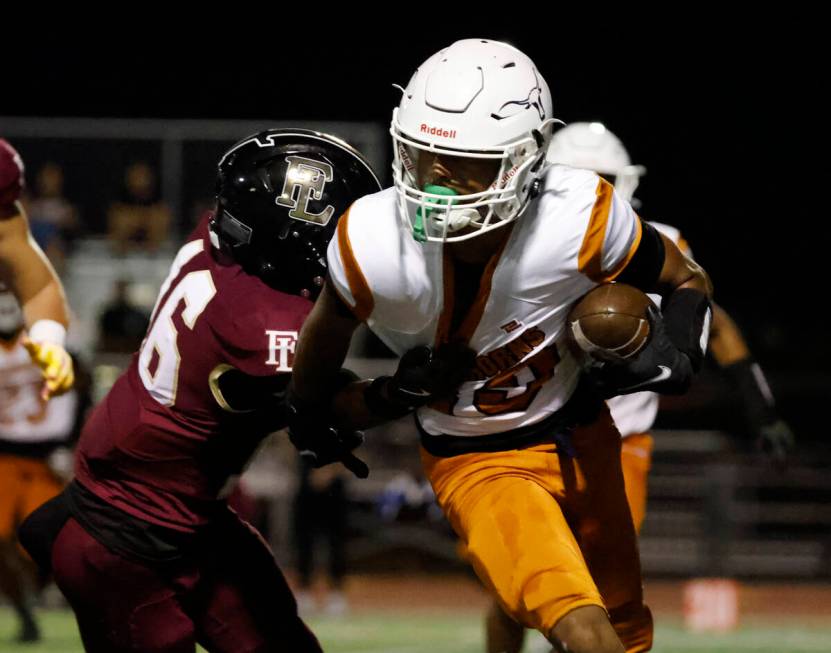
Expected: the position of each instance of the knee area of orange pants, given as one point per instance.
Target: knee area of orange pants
(545, 533)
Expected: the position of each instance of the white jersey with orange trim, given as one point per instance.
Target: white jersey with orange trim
(25, 418)
(575, 234)
(636, 413)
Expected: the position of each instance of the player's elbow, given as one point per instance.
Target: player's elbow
(698, 279)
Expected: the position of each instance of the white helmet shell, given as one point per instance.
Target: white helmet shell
(590, 145)
(478, 99)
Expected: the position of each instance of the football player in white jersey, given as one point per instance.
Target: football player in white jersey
(467, 268)
(25, 269)
(34, 458)
(593, 147)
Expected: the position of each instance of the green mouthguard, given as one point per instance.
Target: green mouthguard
(419, 232)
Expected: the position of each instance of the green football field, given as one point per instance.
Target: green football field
(395, 632)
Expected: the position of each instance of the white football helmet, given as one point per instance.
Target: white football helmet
(478, 99)
(591, 146)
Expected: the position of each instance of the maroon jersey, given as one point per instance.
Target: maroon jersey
(159, 447)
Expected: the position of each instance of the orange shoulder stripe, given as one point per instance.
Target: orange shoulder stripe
(615, 271)
(589, 261)
(364, 303)
(590, 258)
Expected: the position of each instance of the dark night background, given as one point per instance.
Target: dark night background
(724, 120)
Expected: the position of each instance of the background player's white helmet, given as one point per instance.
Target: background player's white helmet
(592, 146)
(479, 99)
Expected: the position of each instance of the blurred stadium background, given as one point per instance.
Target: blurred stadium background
(716, 510)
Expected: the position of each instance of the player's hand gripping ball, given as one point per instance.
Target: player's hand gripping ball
(610, 323)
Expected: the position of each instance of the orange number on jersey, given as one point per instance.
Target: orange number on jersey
(515, 389)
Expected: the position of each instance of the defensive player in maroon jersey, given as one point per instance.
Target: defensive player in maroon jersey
(146, 550)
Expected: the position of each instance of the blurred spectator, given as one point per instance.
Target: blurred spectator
(53, 220)
(140, 219)
(122, 324)
(320, 513)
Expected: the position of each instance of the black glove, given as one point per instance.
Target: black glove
(424, 374)
(776, 440)
(773, 435)
(321, 444)
(659, 367)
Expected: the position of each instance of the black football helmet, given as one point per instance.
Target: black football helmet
(279, 196)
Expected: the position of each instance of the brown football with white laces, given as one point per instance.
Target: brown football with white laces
(610, 323)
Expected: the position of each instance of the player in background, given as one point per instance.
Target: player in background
(592, 146)
(25, 269)
(35, 460)
(142, 543)
(467, 269)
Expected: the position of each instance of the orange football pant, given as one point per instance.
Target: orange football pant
(25, 484)
(548, 534)
(636, 460)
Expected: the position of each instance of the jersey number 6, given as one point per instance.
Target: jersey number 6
(159, 357)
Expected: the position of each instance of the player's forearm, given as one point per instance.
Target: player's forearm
(347, 406)
(727, 344)
(48, 304)
(351, 410)
(686, 291)
(731, 352)
(316, 364)
(28, 270)
(321, 350)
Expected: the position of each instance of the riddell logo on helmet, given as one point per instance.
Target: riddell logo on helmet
(437, 131)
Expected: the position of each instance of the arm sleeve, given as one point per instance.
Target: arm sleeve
(644, 268)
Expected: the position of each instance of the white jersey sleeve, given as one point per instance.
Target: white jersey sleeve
(612, 235)
(345, 274)
(384, 275)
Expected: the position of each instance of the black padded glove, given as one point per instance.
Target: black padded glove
(424, 374)
(773, 435)
(321, 444)
(659, 367)
(776, 440)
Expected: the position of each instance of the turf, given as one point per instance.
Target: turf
(396, 632)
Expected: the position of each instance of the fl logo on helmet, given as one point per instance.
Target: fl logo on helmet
(304, 182)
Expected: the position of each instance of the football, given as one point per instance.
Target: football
(610, 323)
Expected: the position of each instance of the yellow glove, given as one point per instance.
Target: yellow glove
(55, 364)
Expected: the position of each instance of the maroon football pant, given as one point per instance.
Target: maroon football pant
(232, 597)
